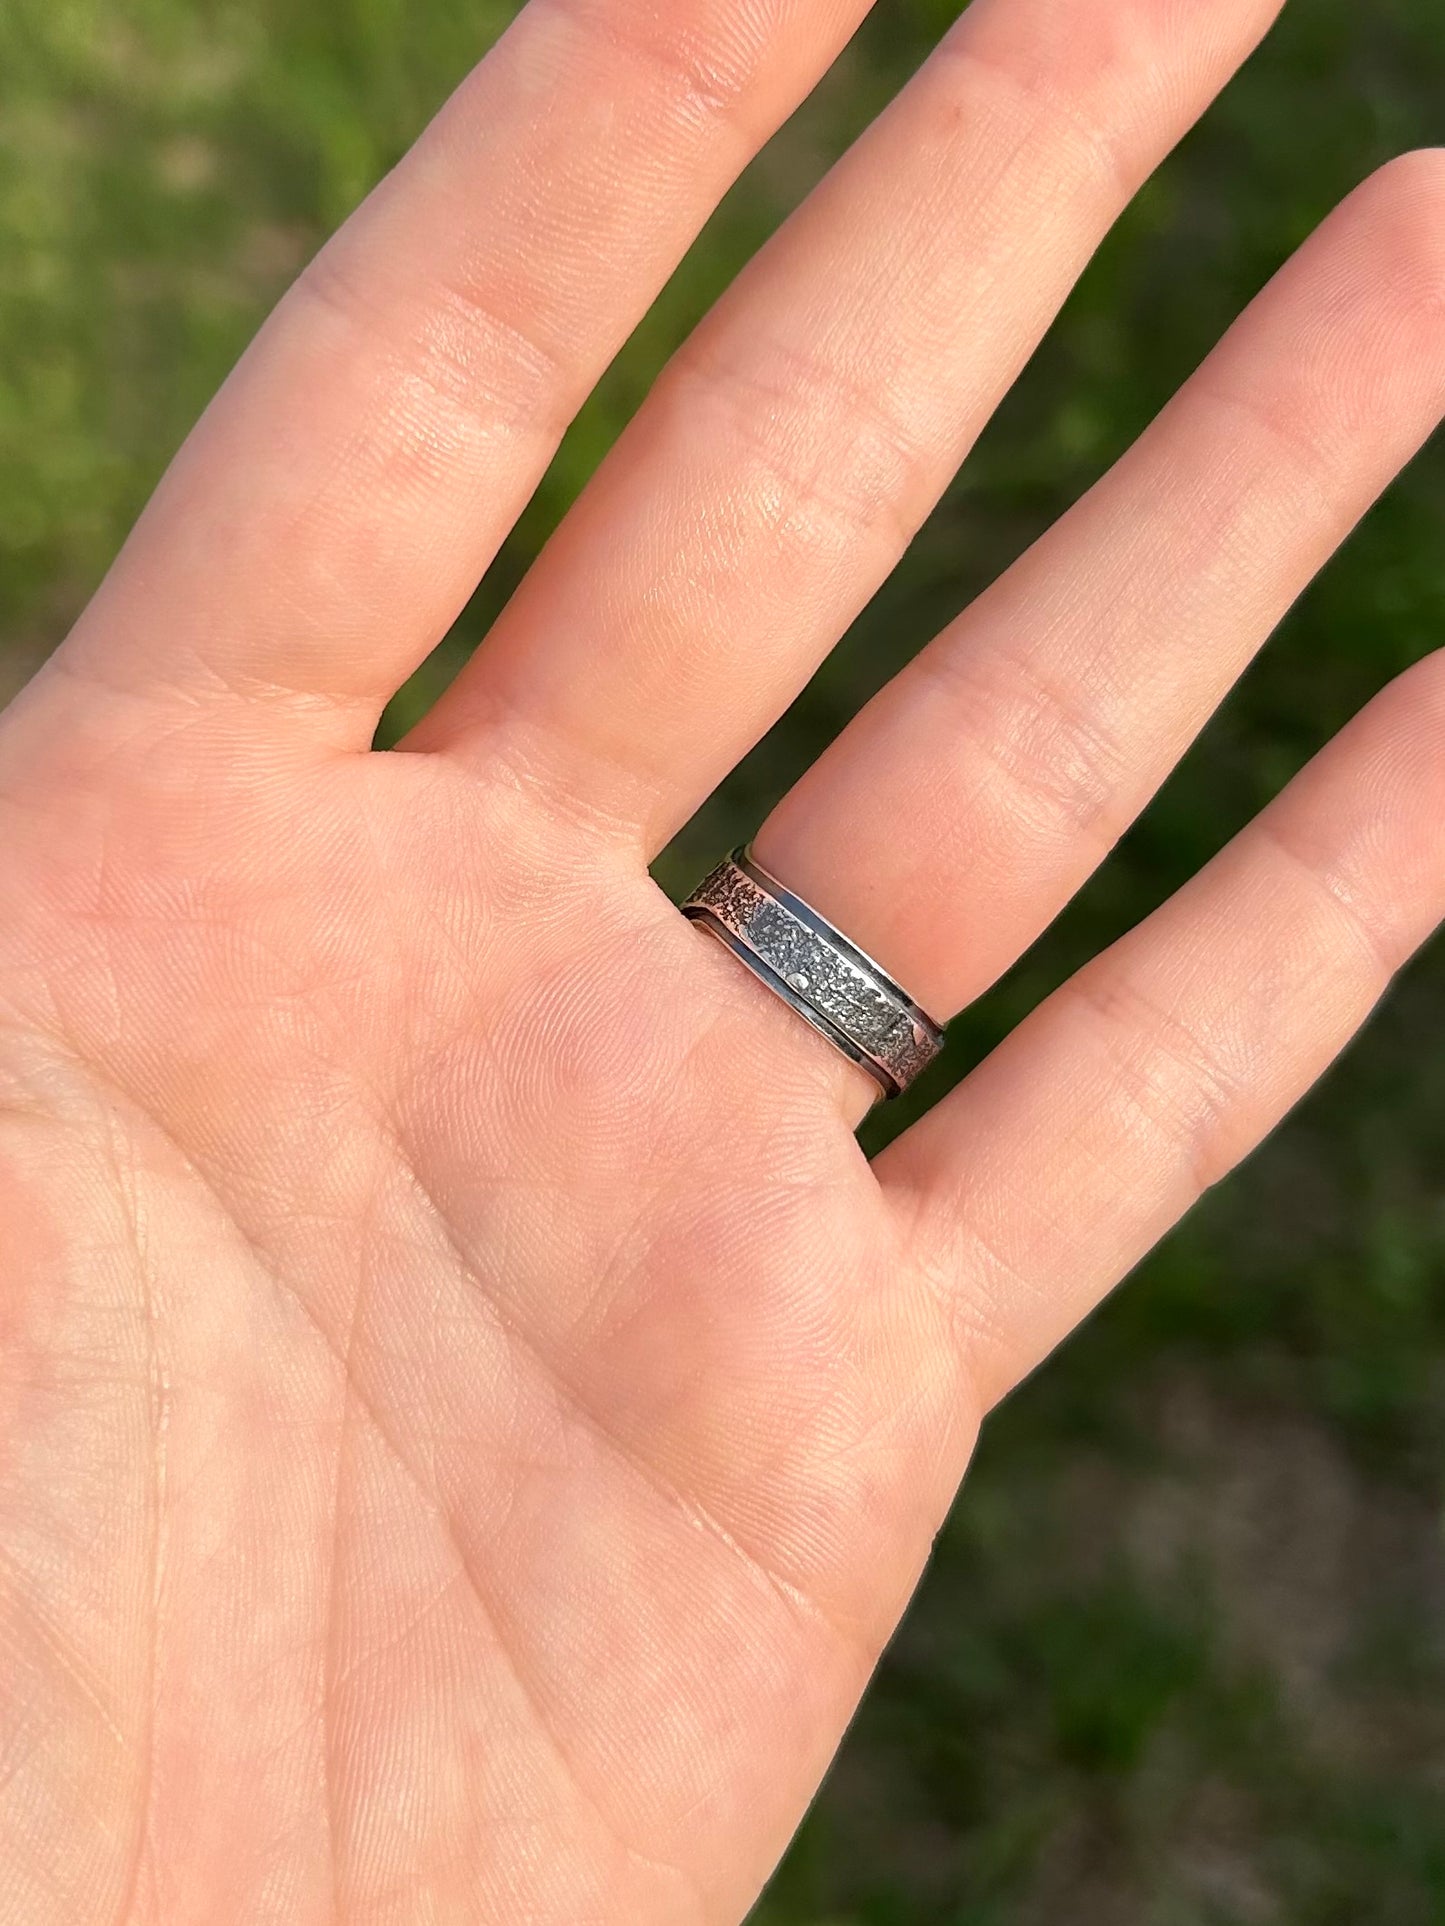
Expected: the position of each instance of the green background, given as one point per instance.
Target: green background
(1181, 1657)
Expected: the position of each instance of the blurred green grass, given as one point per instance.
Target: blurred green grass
(1181, 1657)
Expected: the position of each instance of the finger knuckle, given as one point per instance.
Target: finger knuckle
(1169, 1074)
(707, 62)
(824, 457)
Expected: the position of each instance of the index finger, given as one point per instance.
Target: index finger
(331, 515)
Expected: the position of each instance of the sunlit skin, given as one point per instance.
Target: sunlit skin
(470, 1415)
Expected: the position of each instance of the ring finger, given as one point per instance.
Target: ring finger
(991, 776)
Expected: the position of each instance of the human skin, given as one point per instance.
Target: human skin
(470, 1415)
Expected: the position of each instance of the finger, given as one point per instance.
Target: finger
(330, 516)
(794, 446)
(1098, 1124)
(994, 773)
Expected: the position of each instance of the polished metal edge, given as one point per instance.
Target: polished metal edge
(705, 920)
(821, 927)
(817, 971)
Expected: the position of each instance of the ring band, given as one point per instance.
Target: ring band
(816, 971)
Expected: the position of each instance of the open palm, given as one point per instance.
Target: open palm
(470, 1415)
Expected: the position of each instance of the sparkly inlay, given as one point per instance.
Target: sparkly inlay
(856, 1001)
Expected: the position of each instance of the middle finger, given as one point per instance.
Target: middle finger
(797, 442)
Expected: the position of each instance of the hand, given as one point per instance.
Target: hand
(469, 1414)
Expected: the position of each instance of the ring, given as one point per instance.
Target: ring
(816, 971)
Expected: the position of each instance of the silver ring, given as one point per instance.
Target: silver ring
(816, 971)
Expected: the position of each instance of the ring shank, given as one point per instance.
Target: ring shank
(812, 967)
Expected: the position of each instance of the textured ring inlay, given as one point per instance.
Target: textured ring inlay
(817, 972)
